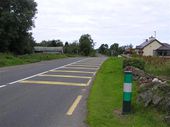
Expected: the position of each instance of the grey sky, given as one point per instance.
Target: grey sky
(107, 21)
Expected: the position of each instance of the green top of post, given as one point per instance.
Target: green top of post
(128, 77)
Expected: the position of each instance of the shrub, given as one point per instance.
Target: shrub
(93, 53)
(138, 63)
(2, 63)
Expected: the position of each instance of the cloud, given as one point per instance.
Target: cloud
(109, 21)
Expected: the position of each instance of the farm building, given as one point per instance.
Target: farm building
(153, 47)
(40, 49)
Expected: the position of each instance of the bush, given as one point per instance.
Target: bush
(138, 63)
(93, 53)
(2, 63)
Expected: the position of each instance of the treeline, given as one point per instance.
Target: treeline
(16, 22)
(50, 43)
(115, 49)
(84, 46)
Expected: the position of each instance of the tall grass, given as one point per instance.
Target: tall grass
(7, 59)
(157, 66)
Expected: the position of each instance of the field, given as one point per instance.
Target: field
(10, 59)
(105, 101)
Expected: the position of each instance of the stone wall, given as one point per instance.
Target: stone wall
(153, 91)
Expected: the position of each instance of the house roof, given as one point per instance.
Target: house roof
(165, 46)
(147, 42)
(45, 49)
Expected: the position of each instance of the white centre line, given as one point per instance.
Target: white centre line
(45, 72)
(2, 86)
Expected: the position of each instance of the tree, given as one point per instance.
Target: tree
(66, 44)
(104, 49)
(129, 49)
(66, 47)
(59, 43)
(16, 21)
(51, 43)
(86, 44)
(72, 48)
(122, 49)
(114, 49)
(43, 43)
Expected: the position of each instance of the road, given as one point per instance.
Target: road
(46, 94)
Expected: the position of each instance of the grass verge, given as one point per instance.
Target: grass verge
(106, 97)
(9, 59)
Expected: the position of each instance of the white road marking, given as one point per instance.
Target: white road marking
(45, 72)
(94, 73)
(88, 83)
(2, 86)
(28, 77)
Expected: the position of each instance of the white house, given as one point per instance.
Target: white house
(153, 47)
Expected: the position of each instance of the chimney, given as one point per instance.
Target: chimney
(151, 38)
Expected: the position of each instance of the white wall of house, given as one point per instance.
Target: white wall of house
(149, 49)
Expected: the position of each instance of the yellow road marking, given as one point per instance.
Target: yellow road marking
(81, 68)
(74, 105)
(87, 64)
(52, 83)
(77, 65)
(84, 72)
(66, 76)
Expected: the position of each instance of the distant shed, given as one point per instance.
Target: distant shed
(39, 49)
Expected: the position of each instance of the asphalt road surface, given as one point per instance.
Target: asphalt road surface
(47, 94)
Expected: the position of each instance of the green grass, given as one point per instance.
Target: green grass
(106, 97)
(9, 59)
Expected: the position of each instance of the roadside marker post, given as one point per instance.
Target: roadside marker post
(127, 92)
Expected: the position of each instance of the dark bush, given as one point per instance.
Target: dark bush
(138, 63)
